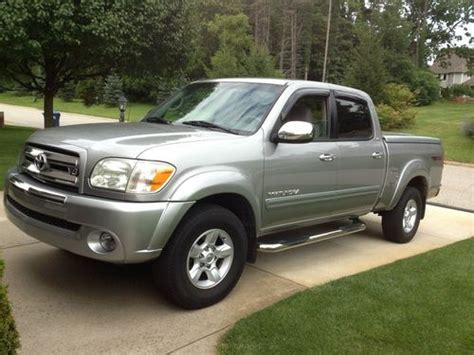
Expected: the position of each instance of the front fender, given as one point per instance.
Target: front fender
(199, 186)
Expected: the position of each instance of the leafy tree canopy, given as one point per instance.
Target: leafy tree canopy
(46, 43)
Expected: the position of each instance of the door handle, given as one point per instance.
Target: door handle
(377, 155)
(327, 157)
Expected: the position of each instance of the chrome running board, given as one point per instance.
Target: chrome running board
(274, 243)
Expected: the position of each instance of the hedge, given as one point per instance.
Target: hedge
(9, 338)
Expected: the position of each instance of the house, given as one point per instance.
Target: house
(451, 70)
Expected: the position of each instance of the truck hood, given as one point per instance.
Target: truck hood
(125, 140)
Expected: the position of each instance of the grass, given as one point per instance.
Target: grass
(420, 305)
(135, 111)
(11, 142)
(9, 338)
(443, 120)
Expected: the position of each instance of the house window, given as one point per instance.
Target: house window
(444, 76)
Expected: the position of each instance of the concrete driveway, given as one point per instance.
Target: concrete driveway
(67, 304)
(33, 117)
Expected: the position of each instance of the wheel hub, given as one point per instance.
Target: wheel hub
(210, 258)
(409, 216)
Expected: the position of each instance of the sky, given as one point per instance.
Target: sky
(460, 32)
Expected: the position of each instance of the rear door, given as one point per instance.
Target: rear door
(361, 155)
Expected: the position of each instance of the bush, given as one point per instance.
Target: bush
(9, 338)
(468, 127)
(391, 118)
(68, 92)
(113, 89)
(398, 96)
(395, 111)
(425, 87)
(87, 91)
(456, 91)
(152, 89)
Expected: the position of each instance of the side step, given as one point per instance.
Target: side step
(277, 242)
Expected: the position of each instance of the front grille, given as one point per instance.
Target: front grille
(52, 166)
(57, 222)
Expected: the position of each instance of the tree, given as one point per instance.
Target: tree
(237, 54)
(113, 89)
(434, 23)
(46, 43)
(368, 71)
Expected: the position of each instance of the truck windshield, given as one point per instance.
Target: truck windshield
(233, 107)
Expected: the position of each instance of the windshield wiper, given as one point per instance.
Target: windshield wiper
(156, 119)
(207, 124)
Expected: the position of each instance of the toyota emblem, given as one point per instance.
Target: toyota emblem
(41, 162)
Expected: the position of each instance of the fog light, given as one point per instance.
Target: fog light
(107, 242)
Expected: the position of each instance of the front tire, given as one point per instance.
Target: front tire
(204, 258)
(401, 224)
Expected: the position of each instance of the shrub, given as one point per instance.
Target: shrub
(86, 90)
(391, 118)
(462, 90)
(456, 91)
(398, 96)
(113, 89)
(395, 111)
(468, 127)
(68, 92)
(9, 338)
(425, 86)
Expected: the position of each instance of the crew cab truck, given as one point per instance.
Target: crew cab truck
(221, 170)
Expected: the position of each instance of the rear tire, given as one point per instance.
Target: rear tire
(401, 224)
(204, 258)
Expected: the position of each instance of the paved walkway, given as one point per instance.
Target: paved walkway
(33, 117)
(67, 304)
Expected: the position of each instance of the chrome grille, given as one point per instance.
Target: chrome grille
(52, 165)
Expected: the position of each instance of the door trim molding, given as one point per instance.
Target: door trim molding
(288, 201)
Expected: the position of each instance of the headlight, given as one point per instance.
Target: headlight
(131, 175)
(150, 176)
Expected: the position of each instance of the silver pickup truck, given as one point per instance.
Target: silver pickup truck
(223, 169)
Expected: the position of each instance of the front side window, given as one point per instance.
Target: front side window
(353, 119)
(312, 109)
(230, 106)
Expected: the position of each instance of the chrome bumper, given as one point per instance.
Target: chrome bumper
(73, 222)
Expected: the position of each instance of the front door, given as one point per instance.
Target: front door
(300, 181)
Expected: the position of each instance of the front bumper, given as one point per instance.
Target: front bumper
(73, 222)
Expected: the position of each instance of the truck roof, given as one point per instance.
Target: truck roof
(287, 82)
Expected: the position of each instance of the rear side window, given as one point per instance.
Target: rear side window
(353, 119)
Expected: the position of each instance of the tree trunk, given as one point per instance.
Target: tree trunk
(282, 46)
(293, 45)
(48, 109)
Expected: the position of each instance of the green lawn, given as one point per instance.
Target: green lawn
(135, 111)
(420, 305)
(444, 120)
(11, 142)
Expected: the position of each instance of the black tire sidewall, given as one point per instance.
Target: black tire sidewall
(392, 222)
(172, 265)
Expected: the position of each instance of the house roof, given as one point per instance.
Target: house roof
(449, 63)
(469, 82)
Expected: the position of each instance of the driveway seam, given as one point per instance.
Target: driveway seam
(201, 338)
(462, 209)
(19, 245)
(279, 276)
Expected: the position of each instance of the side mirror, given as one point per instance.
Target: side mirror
(295, 132)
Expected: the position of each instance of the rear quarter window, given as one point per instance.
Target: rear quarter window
(353, 119)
